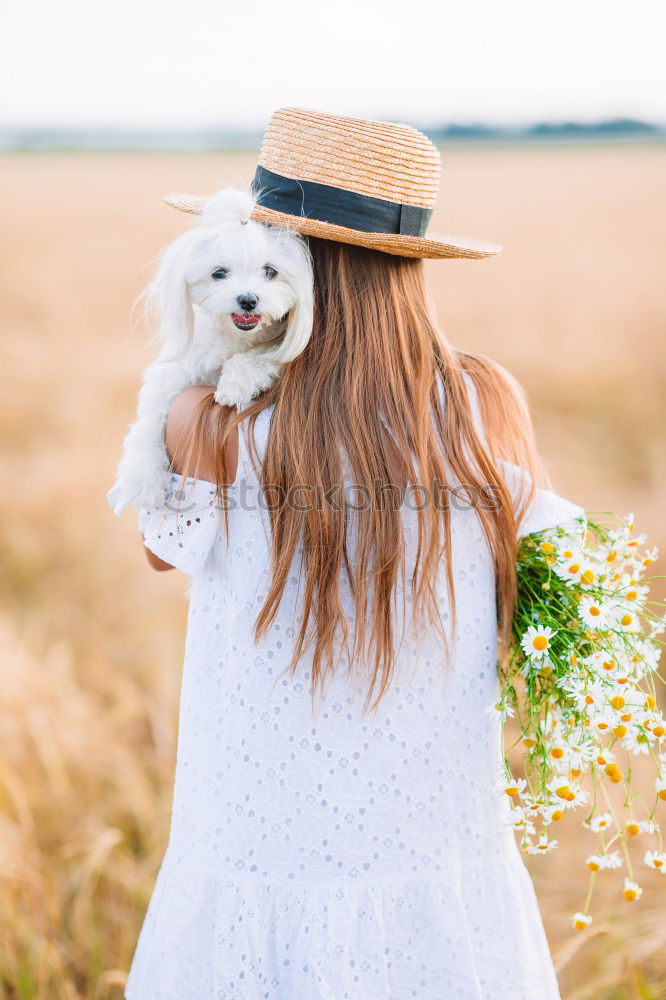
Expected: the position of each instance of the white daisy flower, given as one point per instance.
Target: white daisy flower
(656, 724)
(602, 663)
(592, 612)
(649, 654)
(632, 591)
(521, 821)
(570, 565)
(604, 757)
(624, 619)
(637, 741)
(602, 721)
(570, 795)
(631, 890)
(543, 846)
(581, 920)
(578, 798)
(581, 754)
(598, 862)
(601, 823)
(500, 711)
(647, 826)
(582, 692)
(552, 813)
(536, 641)
(656, 860)
(650, 556)
(514, 787)
(532, 806)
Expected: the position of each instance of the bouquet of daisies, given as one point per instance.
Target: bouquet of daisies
(580, 681)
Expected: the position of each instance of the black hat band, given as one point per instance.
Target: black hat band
(325, 203)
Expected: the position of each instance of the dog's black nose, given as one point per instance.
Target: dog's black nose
(248, 302)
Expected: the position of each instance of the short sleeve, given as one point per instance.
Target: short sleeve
(184, 529)
(546, 510)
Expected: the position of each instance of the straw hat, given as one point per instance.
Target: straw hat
(351, 180)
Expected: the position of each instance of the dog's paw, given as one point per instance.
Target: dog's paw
(145, 491)
(244, 377)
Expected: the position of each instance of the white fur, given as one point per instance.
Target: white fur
(200, 345)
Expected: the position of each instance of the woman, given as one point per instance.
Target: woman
(338, 828)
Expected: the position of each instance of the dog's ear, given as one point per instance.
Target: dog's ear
(299, 319)
(297, 333)
(168, 294)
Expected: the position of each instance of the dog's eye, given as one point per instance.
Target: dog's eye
(220, 273)
(270, 272)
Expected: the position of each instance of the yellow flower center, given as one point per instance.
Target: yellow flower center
(547, 548)
(650, 702)
(540, 643)
(587, 577)
(620, 731)
(557, 815)
(557, 753)
(658, 731)
(574, 568)
(633, 829)
(626, 619)
(630, 894)
(563, 792)
(618, 702)
(593, 866)
(594, 611)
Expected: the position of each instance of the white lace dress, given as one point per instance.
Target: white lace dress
(342, 856)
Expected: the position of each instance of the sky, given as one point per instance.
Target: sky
(157, 64)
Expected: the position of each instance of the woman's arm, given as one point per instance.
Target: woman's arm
(180, 421)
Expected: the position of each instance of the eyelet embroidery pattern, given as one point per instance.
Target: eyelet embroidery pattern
(341, 856)
(182, 531)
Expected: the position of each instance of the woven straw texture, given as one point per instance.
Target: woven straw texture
(380, 159)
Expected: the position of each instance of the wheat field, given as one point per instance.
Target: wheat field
(92, 639)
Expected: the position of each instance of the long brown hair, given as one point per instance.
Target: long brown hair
(366, 388)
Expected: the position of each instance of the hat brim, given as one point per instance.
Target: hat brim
(437, 246)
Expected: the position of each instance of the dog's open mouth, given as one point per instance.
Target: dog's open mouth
(244, 322)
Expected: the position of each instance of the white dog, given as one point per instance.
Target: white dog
(234, 299)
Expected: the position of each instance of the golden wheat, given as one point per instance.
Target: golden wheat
(92, 639)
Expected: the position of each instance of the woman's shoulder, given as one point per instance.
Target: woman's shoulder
(192, 428)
